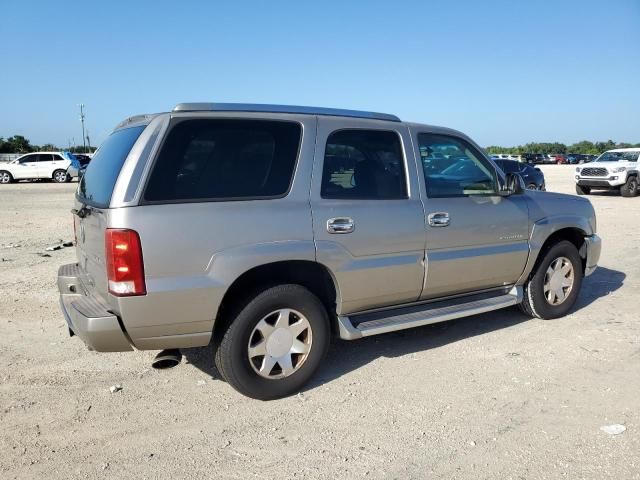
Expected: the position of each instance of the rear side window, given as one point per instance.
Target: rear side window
(96, 185)
(363, 165)
(215, 159)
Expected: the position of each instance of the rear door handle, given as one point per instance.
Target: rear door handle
(439, 219)
(340, 225)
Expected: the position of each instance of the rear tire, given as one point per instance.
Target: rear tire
(548, 277)
(630, 189)
(5, 177)
(60, 176)
(254, 324)
(532, 186)
(582, 190)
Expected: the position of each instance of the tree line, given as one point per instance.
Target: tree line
(585, 147)
(20, 144)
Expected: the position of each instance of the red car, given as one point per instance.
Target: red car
(561, 159)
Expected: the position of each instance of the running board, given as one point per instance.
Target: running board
(367, 324)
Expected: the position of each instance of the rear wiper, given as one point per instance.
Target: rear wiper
(84, 211)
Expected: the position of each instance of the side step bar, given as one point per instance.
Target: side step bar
(367, 324)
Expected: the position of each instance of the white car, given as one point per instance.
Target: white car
(613, 170)
(51, 165)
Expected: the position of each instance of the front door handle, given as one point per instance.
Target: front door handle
(439, 219)
(340, 225)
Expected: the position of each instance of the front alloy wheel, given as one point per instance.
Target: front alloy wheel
(5, 177)
(558, 281)
(553, 287)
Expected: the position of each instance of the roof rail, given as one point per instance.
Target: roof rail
(249, 107)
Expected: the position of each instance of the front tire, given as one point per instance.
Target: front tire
(554, 285)
(5, 177)
(274, 344)
(630, 188)
(582, 190)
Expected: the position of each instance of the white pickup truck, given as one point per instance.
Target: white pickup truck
(613, 170)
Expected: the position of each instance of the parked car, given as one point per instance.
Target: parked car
(578, 158)
(532, 176)
(78, 165)
(264, 229)
(560, 159)
(533, 158)
(613, 170)
(47, 165)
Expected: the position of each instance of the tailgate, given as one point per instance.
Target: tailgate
(90, 250)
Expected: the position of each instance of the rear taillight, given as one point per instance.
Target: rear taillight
(125, 269)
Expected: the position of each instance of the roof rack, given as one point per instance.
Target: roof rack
(249, 107)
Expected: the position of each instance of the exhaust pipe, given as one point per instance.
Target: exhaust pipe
(167, 359)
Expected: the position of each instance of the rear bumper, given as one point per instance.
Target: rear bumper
(593, 245)
(87, 316)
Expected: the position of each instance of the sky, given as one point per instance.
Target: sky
(503, 72)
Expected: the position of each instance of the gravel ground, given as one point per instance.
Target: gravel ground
(491, 396)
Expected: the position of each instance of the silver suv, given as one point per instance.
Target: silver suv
(267, 229)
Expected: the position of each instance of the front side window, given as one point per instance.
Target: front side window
(216, 159)
(363, 165)
(453, 168)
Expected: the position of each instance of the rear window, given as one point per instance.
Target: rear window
(96, 186)
(215, 159)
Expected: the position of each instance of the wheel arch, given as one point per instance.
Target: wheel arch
(543, 238)
(312, 275)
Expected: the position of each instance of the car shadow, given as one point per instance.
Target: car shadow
(345, 356)
(600, 283)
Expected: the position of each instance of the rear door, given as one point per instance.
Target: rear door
(475, 238)
(45, 165)
(368, 220)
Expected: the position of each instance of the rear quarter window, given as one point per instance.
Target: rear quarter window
(225, 159)
(98, 182)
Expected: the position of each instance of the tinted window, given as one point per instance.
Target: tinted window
(363, 164)
(45, 157)
(453, 168)
(225, 159)
(96, 186)
(57, 157)
(28, 158)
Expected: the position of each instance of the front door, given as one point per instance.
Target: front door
(476, 239)
(27, 167)
(368, 219)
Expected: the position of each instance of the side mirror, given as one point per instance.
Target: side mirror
(514, 184)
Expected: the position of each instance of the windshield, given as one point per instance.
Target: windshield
(618, 156)
(98, 182)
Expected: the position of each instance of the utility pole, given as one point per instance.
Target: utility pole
(88, 141)
(84, 145)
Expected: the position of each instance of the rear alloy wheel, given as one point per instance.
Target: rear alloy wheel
(532, 186)
(5, 177)
(582, 190)
(630, 189)
(275, 341)
(60, 176)
(553, 287)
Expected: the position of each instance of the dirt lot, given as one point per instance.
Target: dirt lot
(492, 396)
